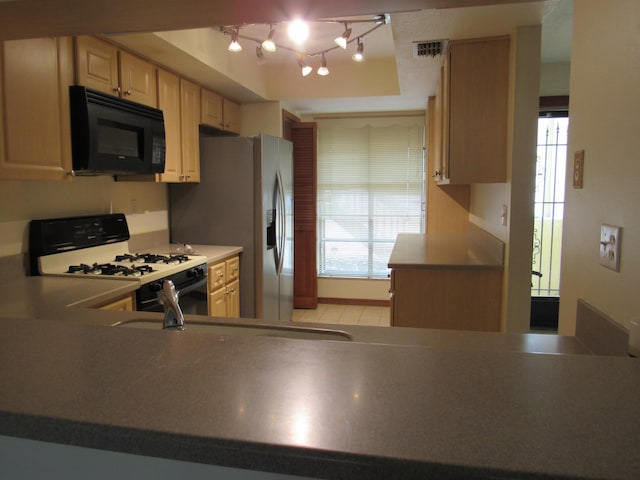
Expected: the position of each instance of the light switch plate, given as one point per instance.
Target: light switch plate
(610, 237)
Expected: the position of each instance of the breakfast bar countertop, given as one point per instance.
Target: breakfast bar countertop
(477, 249)
(427, 404)
(321, 409)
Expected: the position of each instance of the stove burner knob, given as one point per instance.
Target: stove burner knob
(195, 272)
(155, 286)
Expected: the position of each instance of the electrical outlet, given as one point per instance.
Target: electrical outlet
(134, 205)
(610, 246)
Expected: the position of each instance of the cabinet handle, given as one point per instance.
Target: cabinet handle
(117, 90)
(128, 92)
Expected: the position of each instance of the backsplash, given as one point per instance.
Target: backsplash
(600, 333)
(144, 204)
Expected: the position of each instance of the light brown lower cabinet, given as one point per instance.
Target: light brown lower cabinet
(447, 298)
(224, 288)
(124, 304)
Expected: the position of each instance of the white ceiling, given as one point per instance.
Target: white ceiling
(411, 20)
(418, 77)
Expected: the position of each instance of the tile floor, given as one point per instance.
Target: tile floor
(344, 315)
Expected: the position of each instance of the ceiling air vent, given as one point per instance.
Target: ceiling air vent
(431, 48)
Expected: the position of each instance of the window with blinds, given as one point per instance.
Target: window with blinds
(370, 188)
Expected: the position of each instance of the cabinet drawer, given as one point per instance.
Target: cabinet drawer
(216, 276)
(233, 269)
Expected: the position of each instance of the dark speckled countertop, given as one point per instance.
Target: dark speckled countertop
(434, 405)
(323, 409)
(476, 249)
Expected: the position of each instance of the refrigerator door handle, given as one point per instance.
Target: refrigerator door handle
(281, 217)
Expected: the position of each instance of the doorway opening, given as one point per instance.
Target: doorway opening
(553, 128)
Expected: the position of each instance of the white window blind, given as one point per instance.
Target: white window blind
(370, 188)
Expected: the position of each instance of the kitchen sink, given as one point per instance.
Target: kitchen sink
(253, 329)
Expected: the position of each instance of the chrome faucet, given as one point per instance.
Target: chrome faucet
(173, 317)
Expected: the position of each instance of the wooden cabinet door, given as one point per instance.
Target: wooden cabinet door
(138, 80)
(124, 304)
(452, 299)
(97, 65)
(169, 103)
(190, 121)
(478, 110)
(218, 303)
(231, 115)
(35, 76)
(233, 299)
(211, 109)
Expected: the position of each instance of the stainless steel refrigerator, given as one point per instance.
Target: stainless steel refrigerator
(245, 197)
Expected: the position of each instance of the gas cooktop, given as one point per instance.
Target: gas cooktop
(98, 247)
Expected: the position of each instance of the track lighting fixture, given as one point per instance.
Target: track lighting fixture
(342, 40)
(323, 70)
(234, 46)
(268, 45)
(298, 31)
(359, 55)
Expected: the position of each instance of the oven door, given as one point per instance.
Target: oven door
(192, 298)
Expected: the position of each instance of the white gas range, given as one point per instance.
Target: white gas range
(97, 247)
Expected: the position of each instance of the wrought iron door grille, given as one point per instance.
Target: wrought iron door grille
(549, 204)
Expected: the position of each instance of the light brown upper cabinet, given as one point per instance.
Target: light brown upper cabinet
(219, 112)
(102, 66)
(179, 101)
(472, 112)
(35, 139)
(169, 103)
(190, 130)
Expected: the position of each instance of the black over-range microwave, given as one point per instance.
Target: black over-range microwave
(112, 136)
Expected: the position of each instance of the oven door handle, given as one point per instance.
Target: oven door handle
(194, 286)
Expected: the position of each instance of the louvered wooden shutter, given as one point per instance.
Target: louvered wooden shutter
(305, 290)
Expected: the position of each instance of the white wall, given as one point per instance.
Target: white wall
(605, 122)
(517, 193)
(144, 203)
(554, 78)
(264, 117)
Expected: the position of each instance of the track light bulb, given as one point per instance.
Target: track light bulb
(268, 45)
(359, 55)
(298, 31)
(323, 70)
(234, 46)
(342, 40)
(305, 69)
